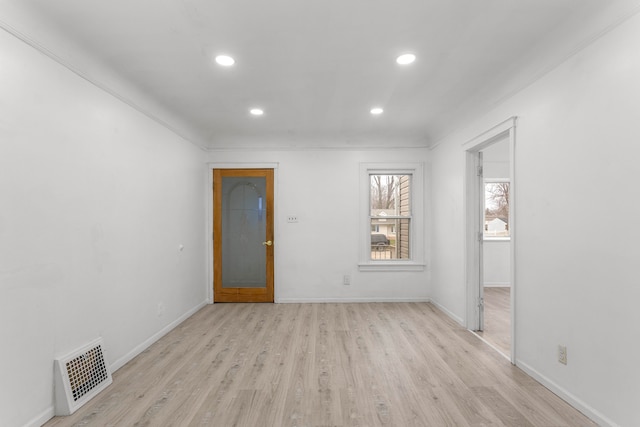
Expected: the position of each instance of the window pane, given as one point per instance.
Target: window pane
(389, 195)
(243, 228)
(391, 238)
(496, 209)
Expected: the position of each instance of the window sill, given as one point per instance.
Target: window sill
(390, 266)
(496, 239)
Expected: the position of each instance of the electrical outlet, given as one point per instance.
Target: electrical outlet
(346, 280)
(292, 218)
(562, 354)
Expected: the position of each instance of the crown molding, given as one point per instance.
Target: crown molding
(35, 44)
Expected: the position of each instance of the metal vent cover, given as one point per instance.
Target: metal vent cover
(80, 375)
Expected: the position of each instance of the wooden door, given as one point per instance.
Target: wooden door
(243, 235)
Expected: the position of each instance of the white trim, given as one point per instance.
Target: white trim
(242, 165)
(459, 320)
(496, 239)
(42, 418)
(209, 220)
(491, 345)
(512, 233)
(28, 40)
(208, 226)
(418, 217)
(487, 138)
(472, 247)
(348, 300)
(315, 148)
(497, 285)
(49, 413)
(155, 337)
(565, 395)
(390, 266)
(393, 169)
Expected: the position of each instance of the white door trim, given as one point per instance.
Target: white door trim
(473, 227)
(473, 247)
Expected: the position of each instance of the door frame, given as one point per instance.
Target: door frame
(473, 225)
(209, 219)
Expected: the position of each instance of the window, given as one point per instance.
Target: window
(496, 209)
(390, 208)
(391, 200)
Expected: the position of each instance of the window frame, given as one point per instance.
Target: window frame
(486, 238)
(417, 217)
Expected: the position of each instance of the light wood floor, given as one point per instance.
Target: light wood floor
(497, 318)
(378, 364)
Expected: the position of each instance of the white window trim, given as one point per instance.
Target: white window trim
(417, 241)
(496, 239)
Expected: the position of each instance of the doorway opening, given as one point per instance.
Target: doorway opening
(490, 218)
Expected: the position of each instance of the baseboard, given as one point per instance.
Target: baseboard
(481, 338)
(50, 412)
(147, 343)
(572, 400)
(45, 416)
(346, 300)
(497, 285)
(449, 313)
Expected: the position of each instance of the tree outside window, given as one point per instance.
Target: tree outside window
(496, 212)
(390, 216)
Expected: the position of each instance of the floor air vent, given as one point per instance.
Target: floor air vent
(79, 376)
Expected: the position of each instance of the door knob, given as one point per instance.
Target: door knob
(267, 243)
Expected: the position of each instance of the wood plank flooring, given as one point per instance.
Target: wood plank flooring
(377, 364)
(497, 318)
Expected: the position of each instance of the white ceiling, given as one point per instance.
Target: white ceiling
(315, 66)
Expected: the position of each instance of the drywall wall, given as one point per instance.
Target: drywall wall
(321, 188)
(496, 258)
(495, 160)
(27, 21)
(96, 199)
(576, 160)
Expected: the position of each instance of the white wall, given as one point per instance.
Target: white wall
(496, 259)
(95, 199)
(495, 160)
(576, 158)
(312, 256)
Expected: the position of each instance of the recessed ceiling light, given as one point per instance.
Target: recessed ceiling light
(256, 111)
(225, 60)
(376, 111)
(406, 59)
